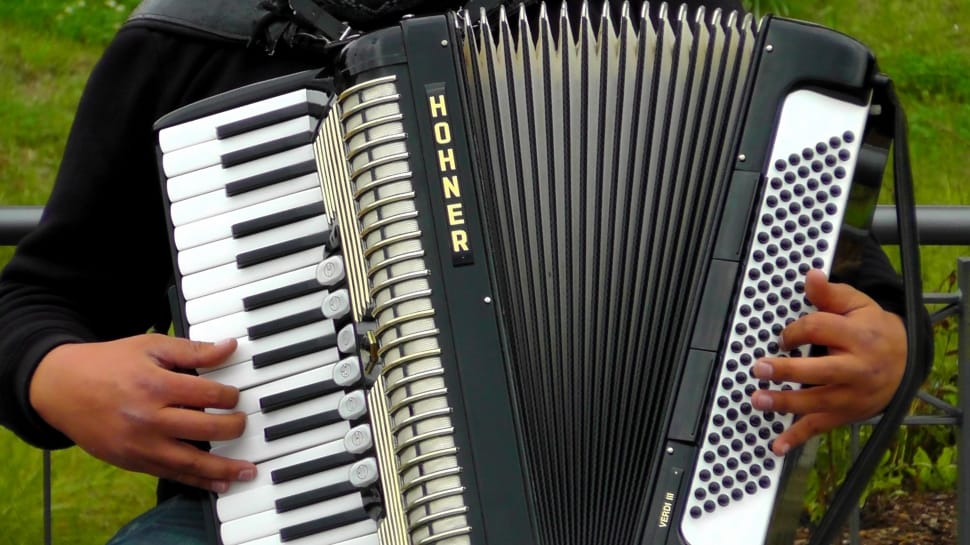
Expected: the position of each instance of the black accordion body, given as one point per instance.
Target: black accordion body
(503, 281)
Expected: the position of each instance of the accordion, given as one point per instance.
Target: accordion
(503, 280)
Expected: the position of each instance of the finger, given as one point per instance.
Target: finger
(837, 369)
(820, 399)
(804, 429)
(818, 328)
(211, 485)
(832, 297)
(173, 352)
(195, 425)
(184, 463)
(197, 392)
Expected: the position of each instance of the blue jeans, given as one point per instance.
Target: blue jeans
(179, 520)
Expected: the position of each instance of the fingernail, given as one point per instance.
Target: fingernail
(224, 342)
(220, 486)
(247, 475)
(782, 448)
(763, 370)
(761, 401)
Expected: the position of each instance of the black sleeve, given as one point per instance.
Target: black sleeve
(95, 241)
(98, 266)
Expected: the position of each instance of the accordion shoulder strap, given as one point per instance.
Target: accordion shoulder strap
(221, 19)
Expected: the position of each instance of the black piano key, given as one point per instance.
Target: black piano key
(281, 249)
(279, 295)
(270, 118)
(266, 149)
(322, 524)
(267, 179)
(286, 323)
(282, 400)
(310, 497)
(301, 425)
(271, 357)
(312, 467)
(279, 219)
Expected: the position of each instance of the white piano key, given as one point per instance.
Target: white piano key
(257, 422)
(332, 271)
(353, 406)
(204, 128)
(235, 506)
(220, 252)
(217, 202)
(229, 276)
(338, 536)
(339, 448)
(206, 180)
(337, 304)
(246, 349)
(235, 325)
(256, 448)
(267, 523)
(229, 301)
(249, 399)
(219, 227)
(244, 375)
(210, 153)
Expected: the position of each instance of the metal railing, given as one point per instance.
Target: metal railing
(938, 226)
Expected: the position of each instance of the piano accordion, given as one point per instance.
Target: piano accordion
(503, 280)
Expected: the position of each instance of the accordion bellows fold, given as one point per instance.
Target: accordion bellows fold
(606, 144)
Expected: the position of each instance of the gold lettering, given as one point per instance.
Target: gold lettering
(665, 514)
(455, 214)
(438, 106)
(446, 160)
(442, 132)
(452, 190)
(459, 241)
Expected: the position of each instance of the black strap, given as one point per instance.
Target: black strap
(236, 20)
(917, 342)
(224, 19)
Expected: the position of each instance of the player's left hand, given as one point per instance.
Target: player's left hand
(853, 381)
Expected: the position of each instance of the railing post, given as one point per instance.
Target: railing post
(48, 528)
(963, 391)
(855, 518)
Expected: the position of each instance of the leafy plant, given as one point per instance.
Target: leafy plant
(934, 475)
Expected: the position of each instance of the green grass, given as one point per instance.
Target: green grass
(48, 47)
(41, 77)
(90, 499)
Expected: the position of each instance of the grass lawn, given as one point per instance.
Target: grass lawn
(42, 74)
(47, 48)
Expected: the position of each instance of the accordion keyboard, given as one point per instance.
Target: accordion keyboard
(257, 261)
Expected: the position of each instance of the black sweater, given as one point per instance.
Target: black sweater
(98, 266)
